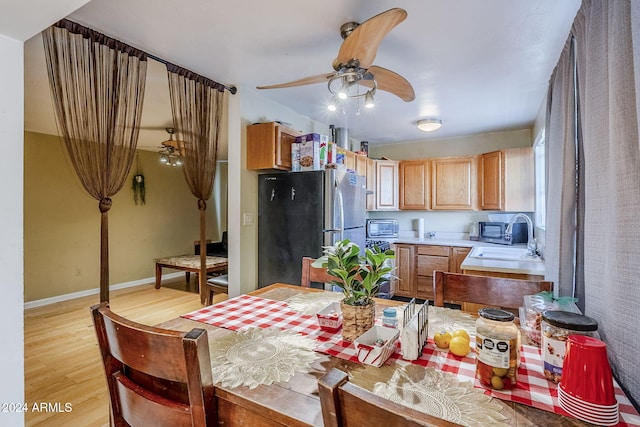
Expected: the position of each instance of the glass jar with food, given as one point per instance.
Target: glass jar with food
(556, 328)
(497, 349)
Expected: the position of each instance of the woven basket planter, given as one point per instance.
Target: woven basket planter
(356, 320)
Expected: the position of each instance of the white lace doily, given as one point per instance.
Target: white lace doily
(313, 302)
(260, 356)
(434, 392)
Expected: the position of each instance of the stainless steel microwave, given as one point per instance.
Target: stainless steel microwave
(382, 228)
(494, 232)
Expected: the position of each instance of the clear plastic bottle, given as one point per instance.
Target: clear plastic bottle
(389, 318)
(497, 349)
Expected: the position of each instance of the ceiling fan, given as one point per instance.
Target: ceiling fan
(354, 63)
(171, 150)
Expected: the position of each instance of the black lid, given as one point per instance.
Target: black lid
(569, 320)
(496, 314)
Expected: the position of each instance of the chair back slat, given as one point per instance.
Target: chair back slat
(155, 376)
(313, 274)
(345, 404)
(484, 290)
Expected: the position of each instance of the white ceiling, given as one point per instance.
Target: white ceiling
(480, 66)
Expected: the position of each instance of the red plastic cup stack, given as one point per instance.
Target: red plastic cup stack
(586, 388)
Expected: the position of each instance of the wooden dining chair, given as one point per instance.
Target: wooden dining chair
(155, 376)
(347, 405)
(313, 274)
(474, 292)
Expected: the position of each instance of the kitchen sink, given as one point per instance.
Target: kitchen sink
(503, 253)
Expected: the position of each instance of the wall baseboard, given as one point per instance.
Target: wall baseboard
(66, 297)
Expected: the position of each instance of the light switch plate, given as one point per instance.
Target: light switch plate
(247, 218)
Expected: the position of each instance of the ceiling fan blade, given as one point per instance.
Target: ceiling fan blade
(389, 81)
(362, 44)
(320, 78)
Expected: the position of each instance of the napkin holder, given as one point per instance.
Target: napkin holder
(414, 330)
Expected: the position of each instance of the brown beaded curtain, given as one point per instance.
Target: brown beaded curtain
(97, 84)
(197, 106)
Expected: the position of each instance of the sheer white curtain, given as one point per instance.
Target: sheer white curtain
(593, 213)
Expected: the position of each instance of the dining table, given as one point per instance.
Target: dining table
(247, 397)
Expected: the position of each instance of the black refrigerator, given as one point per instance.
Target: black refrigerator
(299, 213)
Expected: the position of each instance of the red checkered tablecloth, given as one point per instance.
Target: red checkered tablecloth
(533, 389)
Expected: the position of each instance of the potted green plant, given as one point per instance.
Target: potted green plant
(359, 277)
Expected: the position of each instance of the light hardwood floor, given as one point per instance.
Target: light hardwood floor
(62, 360)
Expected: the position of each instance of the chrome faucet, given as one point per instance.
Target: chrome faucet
(532, 244)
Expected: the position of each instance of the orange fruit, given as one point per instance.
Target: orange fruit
(459, 346)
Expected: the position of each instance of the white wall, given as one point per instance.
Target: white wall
(11, 250)
(245, 108)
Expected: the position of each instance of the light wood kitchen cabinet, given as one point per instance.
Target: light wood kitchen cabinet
(415, 192)
(269, 146)
(405, 270)
(350, 160)
(458, 254)
(361, 164)
(386, 185)
(415, 265)
(490, 181)
(454, 183)
(506, 180)
(371, 184)
(428, 259)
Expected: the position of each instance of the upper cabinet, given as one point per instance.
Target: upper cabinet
(371, 184)
(453, 183)
(386, 185)
(361, 164)
(415, 192)
(506, 180)
(269, 146)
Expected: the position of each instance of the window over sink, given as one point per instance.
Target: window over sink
(540, 180)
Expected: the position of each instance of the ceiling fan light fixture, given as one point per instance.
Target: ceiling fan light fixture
(369, 102)
(333, 104)
(429, 125)
(344, 91)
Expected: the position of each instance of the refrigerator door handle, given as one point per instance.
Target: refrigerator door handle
(340, 208)
(332, 241)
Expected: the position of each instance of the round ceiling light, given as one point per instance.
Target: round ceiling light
(429, 125)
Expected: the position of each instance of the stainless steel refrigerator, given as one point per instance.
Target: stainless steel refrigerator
(299, 213)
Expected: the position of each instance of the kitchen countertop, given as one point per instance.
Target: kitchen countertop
(443, 242)
(494, 265)
(502, 266)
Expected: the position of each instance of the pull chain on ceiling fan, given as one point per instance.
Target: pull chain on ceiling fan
(353, 67)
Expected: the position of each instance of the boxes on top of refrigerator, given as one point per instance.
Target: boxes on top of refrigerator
(313, 151)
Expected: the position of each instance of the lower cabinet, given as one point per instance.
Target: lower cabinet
(458, 254)
(415, 265)
(405, 270)
(429, 258)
